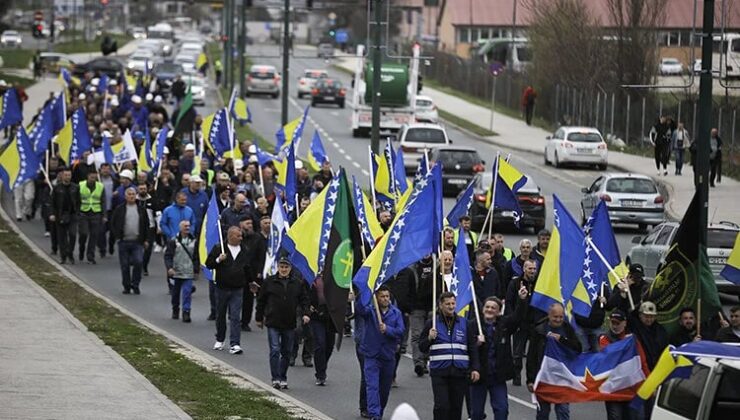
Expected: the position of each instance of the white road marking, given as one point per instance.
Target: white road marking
(365, 172)
(340, 150)
(357, 165)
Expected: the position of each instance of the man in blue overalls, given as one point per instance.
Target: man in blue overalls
(452, 344)
(378, 345)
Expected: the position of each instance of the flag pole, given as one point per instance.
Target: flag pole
(262, 179)
(375, 299)
(372, 177)
(493, 195)
(475, 307)
(297, 207)
(434, 281)
(220, 235)
(611, 269)
(392, 172)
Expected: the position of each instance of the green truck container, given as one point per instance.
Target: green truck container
(394, 80)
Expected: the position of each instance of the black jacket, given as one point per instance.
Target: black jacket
(278, 301)
(726, 335)
(403, 290)
(487, 285)
(597, 315)
(505, 327)
(473, 355)
(654, 338)
(65, 201)
(638, 291)
(682, 336)
(119, 219)
(423, 279)
(230, 273)
(533, 315)
(537, 342)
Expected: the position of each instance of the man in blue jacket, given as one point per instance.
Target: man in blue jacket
(174, 214)
(197, 199)
(381, 337)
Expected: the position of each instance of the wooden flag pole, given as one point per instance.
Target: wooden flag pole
(434, 282)
(698, 316)
(220, 235)
(475, 308)
(493, 195)
(611, 269)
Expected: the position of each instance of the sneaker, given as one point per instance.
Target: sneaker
(419, 370)
(137, 291)
(176, 313)
(211, 317)
(145, 273)
(91, 261)
(276, 384)
(517, 381)
(308, 363)
(236, 349)
(126, 291)
(186, 317)
(364, 414)
(283, 384)
(246, 328)
(291, 362)
(219, 345)
(321, 382)
(658, 172)
(157, 248)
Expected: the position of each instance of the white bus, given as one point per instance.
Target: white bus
(726, 56)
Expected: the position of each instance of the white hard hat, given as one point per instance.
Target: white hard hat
(81, 96)
(238, 164)
(114, 101)
(158, 99)
(190, 147)
(136, 99)
(166, 150)
(95, 81)
(298, 164)
(252, 149)
(126, 173)
(149, 97)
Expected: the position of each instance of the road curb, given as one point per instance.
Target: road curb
(285, 400)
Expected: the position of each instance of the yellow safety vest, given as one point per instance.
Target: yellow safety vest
(473, 237)
(90, 200)
(508, 254)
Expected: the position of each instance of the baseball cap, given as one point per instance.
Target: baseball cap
(223, 176)
(196, 178)
(618, 314)
(126, 173)
(636, 269)
(648, 308)
(190, 147)
(284, 260)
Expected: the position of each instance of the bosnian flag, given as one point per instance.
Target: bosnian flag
(613, 374)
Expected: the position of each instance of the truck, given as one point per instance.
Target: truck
(398, 88)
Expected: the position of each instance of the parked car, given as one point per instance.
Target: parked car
(141, 60)
(52, 62)
(459, 166)
(156, 46)
(671, 67)
(426, 111)
(307, 81)
(710, 392)
(416, 137)
(108, 65)
(11, 39)
(328, 91)
(263, 79)
(630, 198)
(651, 250)
(138, 32)
(576, 145)
(325, 50)
(530, 198)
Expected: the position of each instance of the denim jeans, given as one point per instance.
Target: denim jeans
(363, 384)
(562, 411)
(89, 224)
(499, 399)
(212, 297)
(620, 411)
(186, 286)
(229, 300)
(281, 344)
(130, 254)
(589, 338)
(679, 159)
(417, 320)
(324, 336)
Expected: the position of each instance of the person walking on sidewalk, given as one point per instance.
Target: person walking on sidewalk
(181, 261)
(231, 272)
(130, 226)
(715, 157)
(680, 142)
(65, 204)
(660, 139)
(281, 295)
(92, 204)
(528, 98)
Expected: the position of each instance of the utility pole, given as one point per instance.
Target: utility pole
(242, 46)
(705, 118)
(286, 63)
(232, 33)
(225, 35)
(377, 61)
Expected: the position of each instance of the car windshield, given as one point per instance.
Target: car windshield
(585, 137)
(425, 135)
(424, 103)
(11, 33)
(452, 157)
(265, 75)
(631, 185)
(670, 61)
(329, 83)
(167, 68)
(310, 74)
(721, 238)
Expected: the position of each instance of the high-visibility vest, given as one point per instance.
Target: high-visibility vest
(450, 347)
(508, 254)
(472, 235)
(90, 200)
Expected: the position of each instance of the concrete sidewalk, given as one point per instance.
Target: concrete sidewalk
(53, 368)
(513, 133)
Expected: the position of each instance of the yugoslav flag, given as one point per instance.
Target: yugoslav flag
(613, 374)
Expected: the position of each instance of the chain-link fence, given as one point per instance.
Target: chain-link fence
(626, 114)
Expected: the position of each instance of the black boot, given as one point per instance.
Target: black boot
(517, 381)
(176, 313)
(186, 316)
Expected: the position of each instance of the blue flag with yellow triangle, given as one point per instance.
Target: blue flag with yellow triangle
(10, 109)
(18, 162)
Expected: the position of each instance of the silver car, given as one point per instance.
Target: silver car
(263, 79)
(630, 198)
(651, 250)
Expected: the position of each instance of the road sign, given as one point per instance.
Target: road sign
(341, 36)
(496, 68)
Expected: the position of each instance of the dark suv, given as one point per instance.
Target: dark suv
(530, 198)
(108, 65)
(459, 166)
(328, 91)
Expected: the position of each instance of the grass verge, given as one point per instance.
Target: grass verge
(199, 392)
(463, 123)
(16, 59)
(80, 46)
(12, 80)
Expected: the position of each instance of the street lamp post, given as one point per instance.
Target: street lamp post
(705, 118)
(286, 63)
(377, 58)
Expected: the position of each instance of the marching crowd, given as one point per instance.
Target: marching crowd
(101, 209)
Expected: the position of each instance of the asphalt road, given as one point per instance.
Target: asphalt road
(339, 398)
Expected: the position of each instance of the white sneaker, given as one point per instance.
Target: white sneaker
(284, 384)
(235, 349)
(157, 248)
(219, 345)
